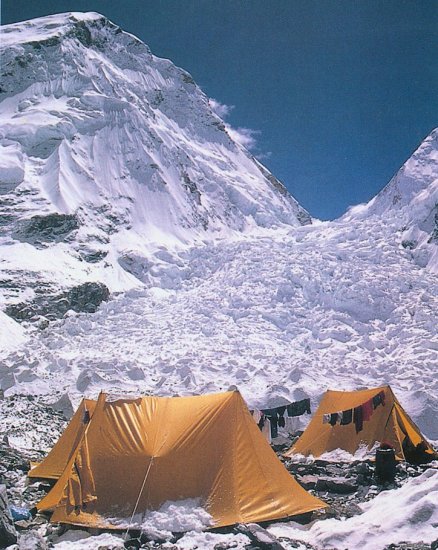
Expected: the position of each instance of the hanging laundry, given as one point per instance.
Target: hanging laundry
(299, 407)
(292, 424)
(347, 417)
(272, 415)
(274, 426)
(261, 422)
(257, 415)
(358, 418)
(276, 415)
(266, 430)
(281, 419)
(379, 399)
(333, 419)
(367, 410)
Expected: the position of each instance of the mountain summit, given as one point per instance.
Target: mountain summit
(108, 152)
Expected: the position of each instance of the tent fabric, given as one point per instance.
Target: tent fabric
(55, 462)
(156, 449)
(389, 423)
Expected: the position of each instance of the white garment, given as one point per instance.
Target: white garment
(256, 414)
(266, 430)
(292, 424)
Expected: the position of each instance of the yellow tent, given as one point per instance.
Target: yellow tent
(56, 461)
(388, 423)
(135, 455)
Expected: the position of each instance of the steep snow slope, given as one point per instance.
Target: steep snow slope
(411, 197)
(106, 150)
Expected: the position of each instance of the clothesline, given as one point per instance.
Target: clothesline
(269, 420)
(358, 415)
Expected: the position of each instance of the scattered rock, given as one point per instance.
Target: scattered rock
(340, 486)
(86, 298)
(23, 524)
(352, 509)
(46, 229)
(259, 536)
(308, 481)
(32, 541)
(409, 546)
(8, 534)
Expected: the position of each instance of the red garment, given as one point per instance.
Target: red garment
(367, 409)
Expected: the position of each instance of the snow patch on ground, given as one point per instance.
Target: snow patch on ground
(82, 540)
(408, 514)
(197, 541)
(12, 335)
(339, 455)
(171, 517)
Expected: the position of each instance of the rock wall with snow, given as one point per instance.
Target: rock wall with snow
(108, 152)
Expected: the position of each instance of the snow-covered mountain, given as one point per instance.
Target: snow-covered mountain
(107, 153)
(116, 172)
(411, 197)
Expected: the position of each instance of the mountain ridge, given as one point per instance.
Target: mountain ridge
(411, 199)
(108, 152)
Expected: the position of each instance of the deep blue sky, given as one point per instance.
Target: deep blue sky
(341, 91)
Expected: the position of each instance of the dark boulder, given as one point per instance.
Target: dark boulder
(8, 534)
(259, 537)
(336, 485)
(85, 298)
(46, 229)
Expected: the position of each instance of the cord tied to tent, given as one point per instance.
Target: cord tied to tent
(139, 496)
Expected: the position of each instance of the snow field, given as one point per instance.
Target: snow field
(407, 514)
(281, 316)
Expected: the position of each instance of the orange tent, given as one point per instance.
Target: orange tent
(135, 455)
(388, 423)
(56, 461)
